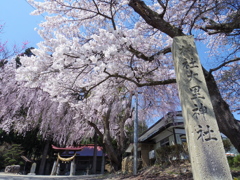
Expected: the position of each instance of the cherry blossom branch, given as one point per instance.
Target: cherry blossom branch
(5, 53)
(189, 9)
(84, 9)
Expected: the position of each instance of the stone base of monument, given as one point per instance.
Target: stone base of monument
(33, 168)
(31, 174)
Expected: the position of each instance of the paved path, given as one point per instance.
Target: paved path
(5, 176)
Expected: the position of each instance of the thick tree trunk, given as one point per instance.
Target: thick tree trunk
(122, 140)
(154, 19)
(112, 154)
(228, 125)
(107, 140)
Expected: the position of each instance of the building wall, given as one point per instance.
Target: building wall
(180, 135)
(145, 149)
(162, 136)
(165, 134)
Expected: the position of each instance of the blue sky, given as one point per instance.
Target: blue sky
(19, 24)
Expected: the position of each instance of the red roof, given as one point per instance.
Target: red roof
(69, 148)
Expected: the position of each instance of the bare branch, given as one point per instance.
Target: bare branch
(164, 7)
(95, 128)
(148, 58)
(112, 14)
(154, 19)
(72, 56)
(84, 9)
(152, 83)
(215, 28)
(97, 85)
(223, 64)
(79, 75)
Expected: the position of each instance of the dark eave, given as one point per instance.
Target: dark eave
(178, 113)
(148, 139)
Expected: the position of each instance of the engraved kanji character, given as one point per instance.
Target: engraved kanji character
(186, 49)
(192, 63)
(199, 109)
(206, 135)
(191, 75)
(185, 64)
(196, 92)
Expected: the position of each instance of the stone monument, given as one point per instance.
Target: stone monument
(73, 168)
(207, 155)
(33, 169)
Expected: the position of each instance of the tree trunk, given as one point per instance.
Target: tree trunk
(227, 124)
(122, 140)
(44, 157)
(112, 154)
(107, 140)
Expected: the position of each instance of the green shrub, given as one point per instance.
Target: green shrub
(170, 154)
(236, 161)
(230, 161)
(12, 161)
(11, 155)
(227, 144)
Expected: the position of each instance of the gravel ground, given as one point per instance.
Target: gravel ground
(180, 172)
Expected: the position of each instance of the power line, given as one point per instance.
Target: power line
(33, 7)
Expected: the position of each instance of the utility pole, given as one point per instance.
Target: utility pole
(135, 145)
